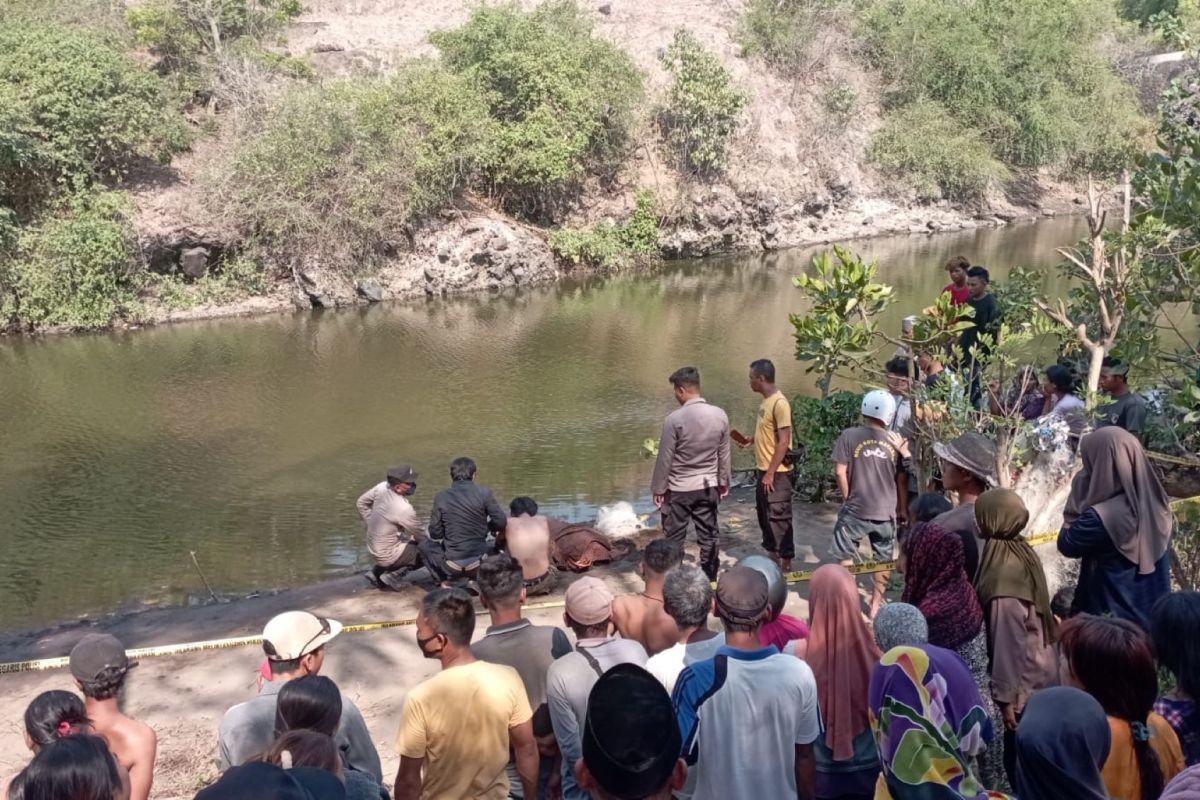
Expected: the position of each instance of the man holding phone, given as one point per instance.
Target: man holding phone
(771, 440)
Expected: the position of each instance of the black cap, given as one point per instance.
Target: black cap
(98, 656)
(742, 595)
(401, 474)
(631, 738)
(261, 781)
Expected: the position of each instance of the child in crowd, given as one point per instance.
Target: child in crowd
(1175, 628)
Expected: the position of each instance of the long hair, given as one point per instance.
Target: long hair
(75, 767)
(311, 702)
(1175, 628)
(304, 749)
(55, 714)
(1113, 661)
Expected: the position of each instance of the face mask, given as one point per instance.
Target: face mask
(411, 490)
(421, 644)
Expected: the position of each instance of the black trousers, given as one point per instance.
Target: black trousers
(775, 514)
(699, 508)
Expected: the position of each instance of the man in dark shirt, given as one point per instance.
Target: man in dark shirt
(530, 649)
(986, 323)
(1127, 410)
(462, 517)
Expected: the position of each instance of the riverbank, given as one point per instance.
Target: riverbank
(184, 696)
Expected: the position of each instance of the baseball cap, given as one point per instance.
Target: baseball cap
(262, 781)
(742, 595)
(402, 474)
(589, 601)
(293, 634)
(631, 737)
(97, 654)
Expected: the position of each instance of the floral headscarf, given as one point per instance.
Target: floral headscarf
(928, 721)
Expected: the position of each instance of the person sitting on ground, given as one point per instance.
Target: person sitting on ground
(295, 643)
(99, 666)
(687, 599)
(51, 716)
(392, 524)
(569, 680)
(313, 704)
(77, 767)
(869, 465)
(900, 624)
(1113, 661)
(935, 581)
(1119, 522)
(463, 516)
(841, 652)
(1020, 625)
(263, 781)
(968, 466)
(779, 629)
(631, 741)
(458, 726)
(957, 287)
(530, 649)
(926, 693)
(748, 715)
(526, 537)
(1061, 746)
(1128, 409)
(1175, 628)
(641, 616)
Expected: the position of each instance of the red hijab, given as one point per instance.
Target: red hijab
(936, 583)
(841, 652)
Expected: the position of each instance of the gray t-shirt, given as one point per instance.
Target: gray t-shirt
(1128, 411)
(874, 458)
(569, 681)
(961, 520)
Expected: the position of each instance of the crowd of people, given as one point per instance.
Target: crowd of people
(978, 683)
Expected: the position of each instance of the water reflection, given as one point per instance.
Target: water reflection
(248, 440)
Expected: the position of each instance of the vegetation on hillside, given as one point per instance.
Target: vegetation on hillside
(702, 107)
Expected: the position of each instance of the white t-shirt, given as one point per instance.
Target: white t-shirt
(667, 665)
(742, 713)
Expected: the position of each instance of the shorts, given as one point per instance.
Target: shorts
(849, 532)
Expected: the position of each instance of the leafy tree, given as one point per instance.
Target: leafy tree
(703, 105)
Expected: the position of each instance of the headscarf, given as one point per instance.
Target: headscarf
(841, 653)
(1062, 743)
(1008, 566)
(1184, 786)
(936, 583)
(928, 720)
(1118, 481)
(900, 624)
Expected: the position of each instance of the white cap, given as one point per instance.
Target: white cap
(879, 404)
(294, 634)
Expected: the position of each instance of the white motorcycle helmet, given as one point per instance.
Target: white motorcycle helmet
(879, 404)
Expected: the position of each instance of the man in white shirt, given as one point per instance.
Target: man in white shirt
(687, 599)
(392, 525)
(748, 715)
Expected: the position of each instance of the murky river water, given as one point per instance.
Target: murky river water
(248, 440)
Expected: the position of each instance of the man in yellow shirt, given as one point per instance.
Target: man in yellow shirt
(771, 441)
(458, 726)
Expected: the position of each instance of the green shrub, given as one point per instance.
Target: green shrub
(1026, 75)
(608, 244)
(342, 169)
(839, 100)
(73, 109)
(818, 424)
(77, 267)
(182, 32)
(780, 31)
(562, 99)
(233, 279)
(934, 155)
(702, 107)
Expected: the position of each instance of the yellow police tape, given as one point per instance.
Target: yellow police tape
(36, 665)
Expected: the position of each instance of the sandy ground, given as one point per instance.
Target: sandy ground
(183, 697)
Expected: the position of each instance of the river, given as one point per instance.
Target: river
(248, 440)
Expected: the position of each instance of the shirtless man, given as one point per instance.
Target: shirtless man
(99, 666)
(526, 537)
(641, 617)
